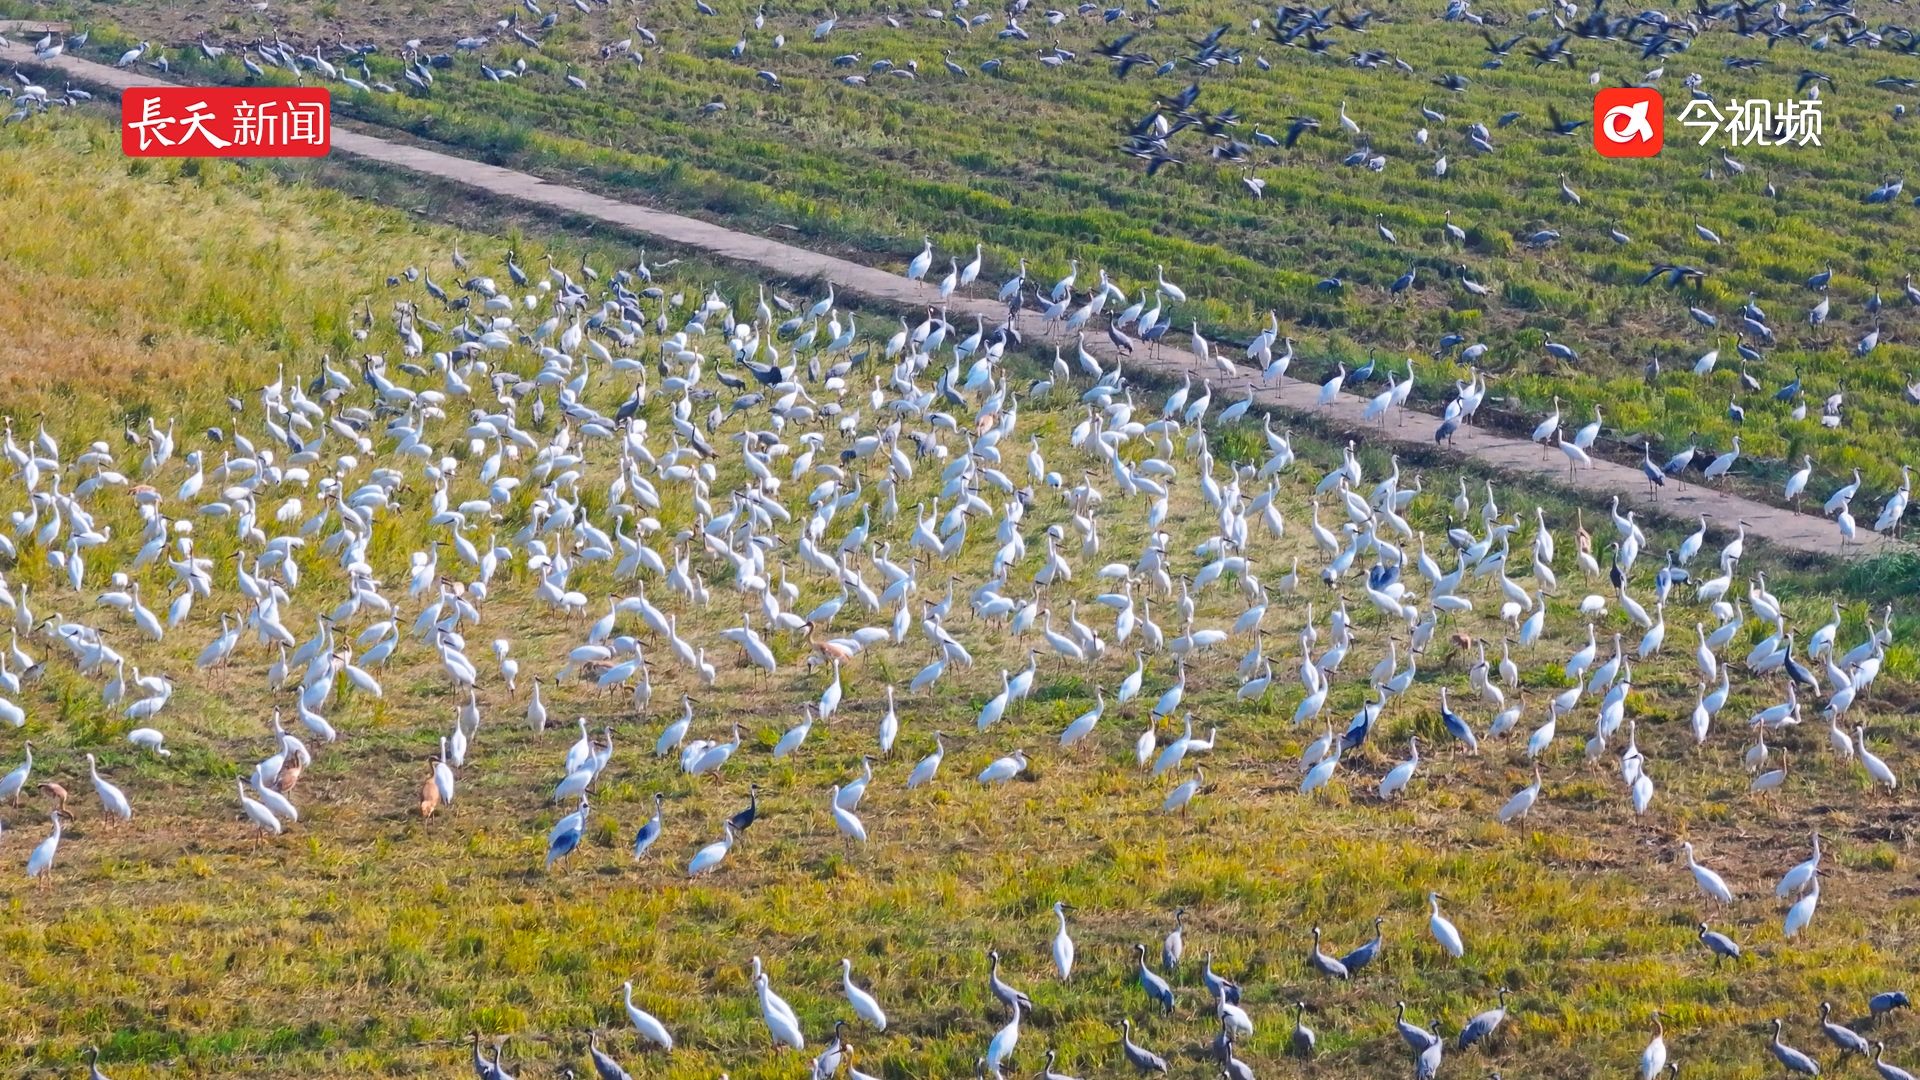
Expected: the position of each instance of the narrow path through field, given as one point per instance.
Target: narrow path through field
(1796, 531)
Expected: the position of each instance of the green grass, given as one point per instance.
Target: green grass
(1026, 162)
(367, 941)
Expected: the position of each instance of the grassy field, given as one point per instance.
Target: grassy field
(1025, 160)
(367, 941)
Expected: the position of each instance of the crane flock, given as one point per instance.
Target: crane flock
(568, 435)
(1548, 39)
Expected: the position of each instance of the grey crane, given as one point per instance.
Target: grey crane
(1139, 1056)
(650, 831)
(1793, 1059)
(1848, 1040)
(838, 1050)
(1482, 1027)
(1232, 1068)
(1048, 1073)
(1656, 479)
(494, 1071)
(1011, 998)
(484, 1069)
(1722, 946)
(1886, 1071)
(1303, 1037)
(604, 1066)
(1416, 1037)
(1679, 463)
(1219, 985)
(1366, 953)
(1427, 1064)
(1321, 962)
(1156, 987)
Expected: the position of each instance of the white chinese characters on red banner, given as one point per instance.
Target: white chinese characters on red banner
(192, 121)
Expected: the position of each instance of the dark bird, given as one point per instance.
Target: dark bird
(750, 814)
(1883, 1003)
(1809, 76)
(1722, 946)
(1482, 1027)
(1561, 127)
(1655, 478)
(1502, 48)
(1797, 672)
(1365, 954)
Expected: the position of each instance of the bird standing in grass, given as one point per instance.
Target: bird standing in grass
(15, 781)
(1887, 1070)
(565, 836)
(1482, 1027)
(1142, 1059)
(1653, 1059)
(844, 820)
(1063, 949)
(604, 1066)
(1722, 946)
(1709, 881)
(1848, 1040)
(1000, 989)
(644, 1022)
(1443, 929)
(262, 818)
(430, 788)
(1323, 963)
(40, 862)
(1365, 954)
(1174, 945)
(112, 799)
(781, 1023)
(1156, 987)
(1303, 1039)
(1000, 1049)
(1886, 1001)
(707, 858)
(1794, 1060)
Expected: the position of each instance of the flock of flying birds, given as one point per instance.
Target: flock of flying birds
(540, 425)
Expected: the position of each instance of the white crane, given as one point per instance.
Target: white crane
(112, 799)
(1443, 930)
(863, 1003)
(1062, 942)
(1709, 881)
